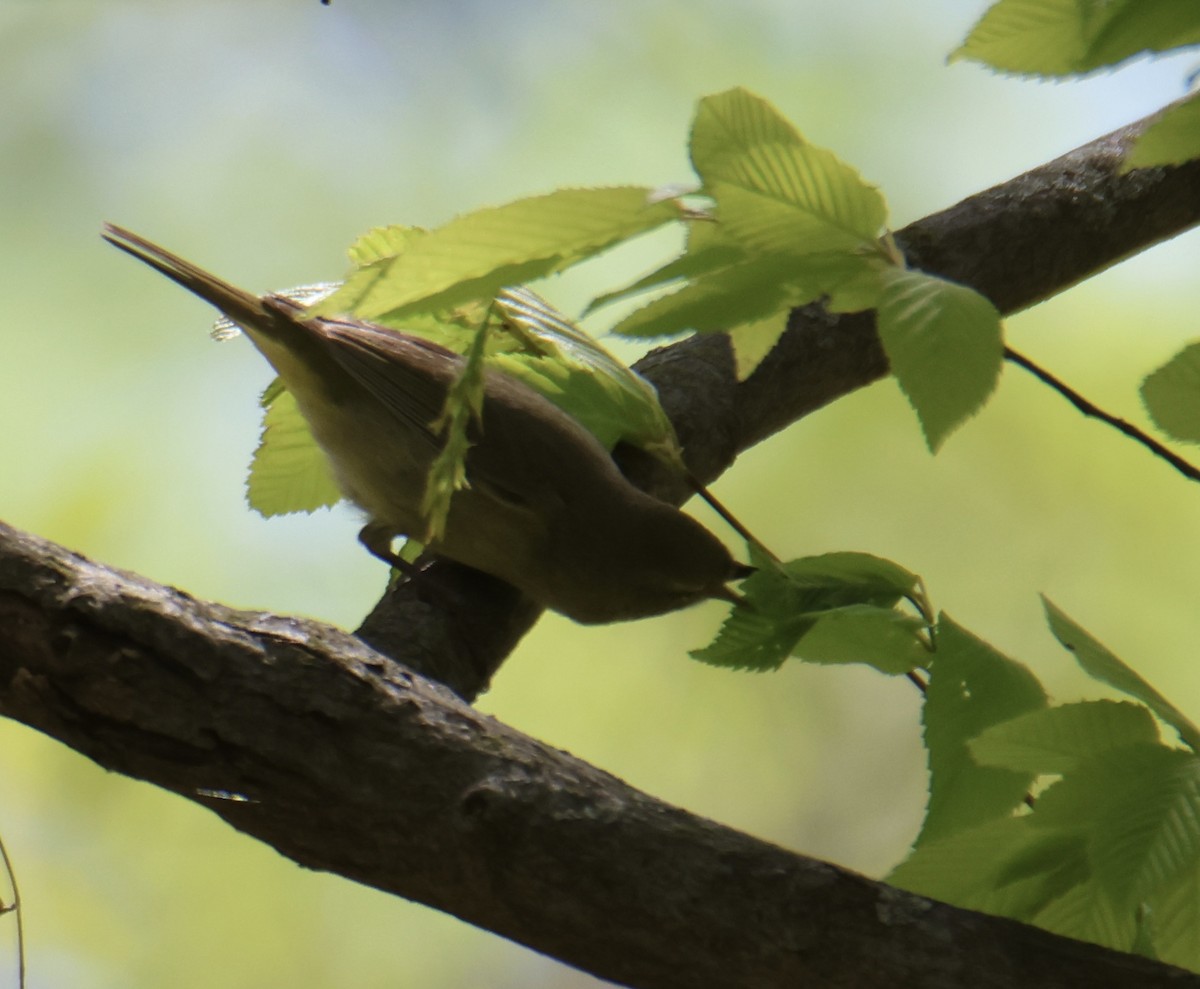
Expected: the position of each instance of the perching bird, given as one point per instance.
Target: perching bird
(546, 508)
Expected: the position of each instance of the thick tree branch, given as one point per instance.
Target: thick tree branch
(344, 761)
(1017, 243)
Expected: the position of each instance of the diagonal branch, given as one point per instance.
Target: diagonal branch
(1017, 243)
(298, 734)
(347, 761)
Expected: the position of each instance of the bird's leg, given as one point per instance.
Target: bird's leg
(378, 539)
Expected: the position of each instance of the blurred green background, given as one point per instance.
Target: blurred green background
(259, 138)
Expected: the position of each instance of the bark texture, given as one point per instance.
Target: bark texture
(345, 761)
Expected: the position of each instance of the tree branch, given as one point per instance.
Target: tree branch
(1017, 243)
(300, 735)
(346, 761)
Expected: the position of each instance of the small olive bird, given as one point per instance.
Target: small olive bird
(545, 509)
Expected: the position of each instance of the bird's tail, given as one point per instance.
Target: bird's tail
(238, 304)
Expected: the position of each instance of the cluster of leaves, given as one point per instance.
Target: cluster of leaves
(780, 223)
(1110, 850)
(834, 608)
(1064, 38)
(507, 328)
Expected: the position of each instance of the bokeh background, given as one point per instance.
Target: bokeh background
(259, 138)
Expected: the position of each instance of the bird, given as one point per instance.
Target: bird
(545, 508)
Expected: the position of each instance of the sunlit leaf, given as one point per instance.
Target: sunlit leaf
(1171, 140)
(477, 254)
(708, 251)
(574, 371)
(289, 472)
(382, 243)
(447, 473)
(775, 191)
(1064, 37)
(752, 341)
(753, 290)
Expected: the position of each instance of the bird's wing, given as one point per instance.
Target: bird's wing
(407, 375)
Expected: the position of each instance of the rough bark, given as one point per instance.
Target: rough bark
(348, 761)
(345, 761)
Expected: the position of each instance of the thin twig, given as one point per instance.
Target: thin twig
(16, 909)
(1089, 409)
(728, 516)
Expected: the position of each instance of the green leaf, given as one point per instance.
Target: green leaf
(574, 371)
(1003, 867)
(529, 339)
(1145, 936)
(746, 292)
(1139, 810)
(752, 341)
(1056, 739)
(477, 254)
(289, 472)
(794, 224)
(1172, 395)
(851, 594)
(1176, 919)
(382, 243)
(884, 638)
(945, 346)
(757, 289)
(707, 252)
(775, 191)
(971, 688)
(1116, 840)
(1102, 665)
(1086, 915)
(750, 639)
(1065, 37)
(610, 411)
(560, 361)
(1171, 140)
(866, 577)
(448, 472)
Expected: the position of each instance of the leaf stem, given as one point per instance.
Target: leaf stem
(1090, 409)
(727, 515)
